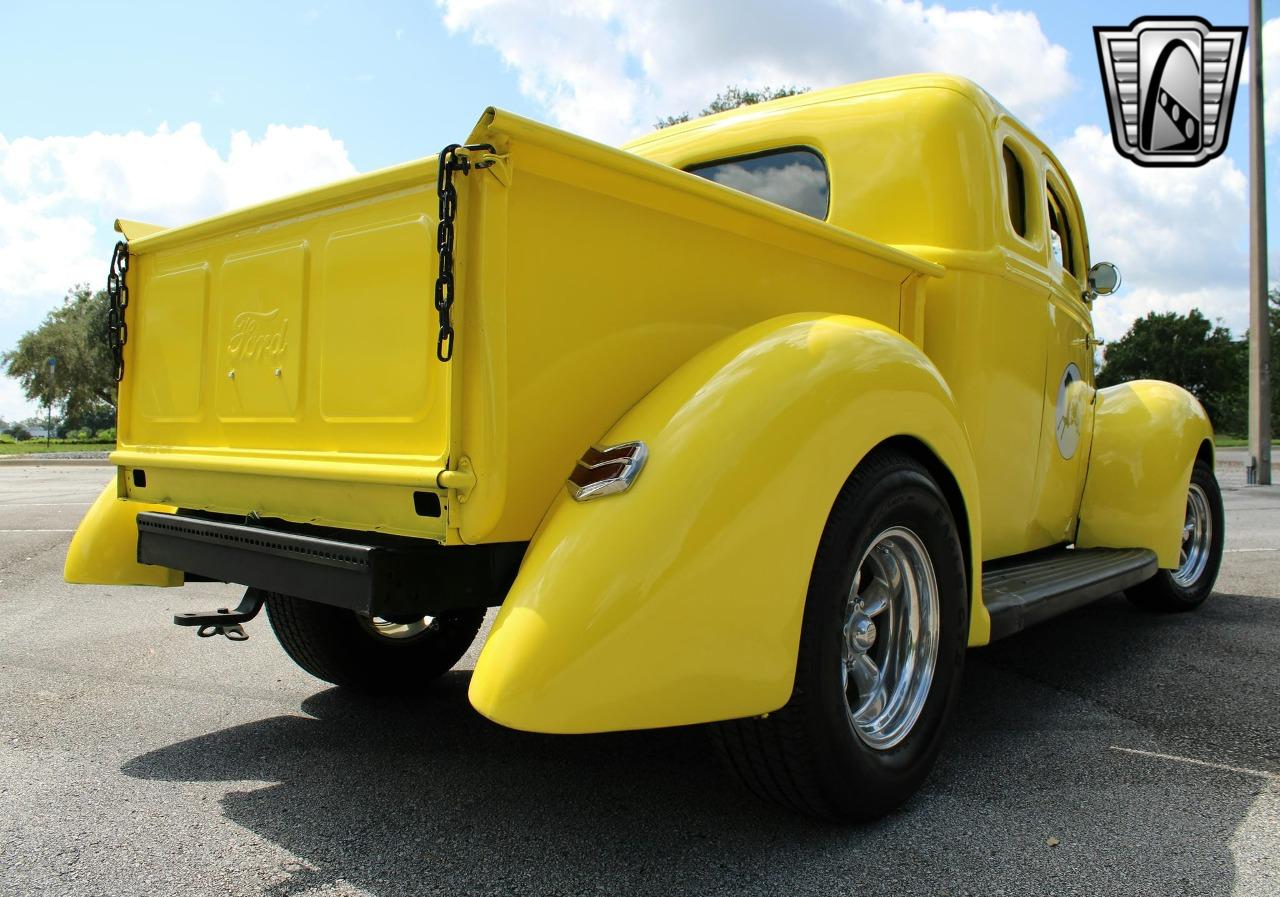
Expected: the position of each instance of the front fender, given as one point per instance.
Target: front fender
(1146, 437)
(681, 600)
(104, 549)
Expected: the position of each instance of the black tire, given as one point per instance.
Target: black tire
(807, 756)
(1185, 589)
(338, 646)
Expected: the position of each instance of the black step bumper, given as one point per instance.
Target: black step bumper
(374, 575)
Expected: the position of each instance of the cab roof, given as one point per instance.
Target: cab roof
(986, 103)
(974, 120)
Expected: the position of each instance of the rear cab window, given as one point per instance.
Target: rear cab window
(794, 177)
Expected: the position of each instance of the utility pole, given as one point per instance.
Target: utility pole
(1259, 331)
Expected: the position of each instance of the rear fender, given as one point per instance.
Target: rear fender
(104, 550)
(1146, 437)
(681, 600)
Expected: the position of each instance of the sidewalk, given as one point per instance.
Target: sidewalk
(1230, 464)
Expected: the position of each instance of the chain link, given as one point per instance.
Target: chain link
(118, 296)
(451, 160)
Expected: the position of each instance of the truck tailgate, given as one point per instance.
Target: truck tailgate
(294, 343)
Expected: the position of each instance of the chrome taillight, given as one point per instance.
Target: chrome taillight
(607, 470)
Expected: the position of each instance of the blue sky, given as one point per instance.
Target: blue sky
(385, 78)
(172, 111)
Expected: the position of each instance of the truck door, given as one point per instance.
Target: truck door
(1067, 428)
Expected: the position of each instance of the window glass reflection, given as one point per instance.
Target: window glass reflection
(794, 178)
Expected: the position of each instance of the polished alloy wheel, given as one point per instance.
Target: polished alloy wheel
(397, 630)
(889, 646)
(1197, 538)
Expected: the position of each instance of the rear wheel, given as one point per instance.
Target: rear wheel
(373, 655)
(881, 651)
(1199, 556)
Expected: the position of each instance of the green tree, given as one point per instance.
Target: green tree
(732, 98)
(82, 384)
(1188, 350)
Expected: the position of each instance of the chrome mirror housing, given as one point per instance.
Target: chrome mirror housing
(1104, 279)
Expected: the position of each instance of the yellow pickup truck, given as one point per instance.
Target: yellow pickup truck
(759, 421)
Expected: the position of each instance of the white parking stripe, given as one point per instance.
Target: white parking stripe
(37, 531)
(1261, 773)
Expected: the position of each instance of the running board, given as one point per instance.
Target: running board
(1025, 590)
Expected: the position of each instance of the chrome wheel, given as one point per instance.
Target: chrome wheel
(399, 631)
(889, 645)
(1197, 538)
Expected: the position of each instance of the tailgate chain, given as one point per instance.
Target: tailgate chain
(450, 161)
(118, 296)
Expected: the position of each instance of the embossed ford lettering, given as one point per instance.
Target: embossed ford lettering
(258, 334)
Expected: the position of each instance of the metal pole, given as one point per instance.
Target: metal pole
(48, 405)
(1259, 331)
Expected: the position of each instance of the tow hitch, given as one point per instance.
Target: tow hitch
(225, 621)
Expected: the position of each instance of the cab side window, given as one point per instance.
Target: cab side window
(1060, 243)
(1017, 191)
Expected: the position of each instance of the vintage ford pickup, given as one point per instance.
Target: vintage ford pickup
(760, 422)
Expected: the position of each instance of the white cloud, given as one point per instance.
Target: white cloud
(1270, 71)
(43, 252)
(13, 404)
(167, 177)
(1178, 235)
(608, 69)
(60, 195)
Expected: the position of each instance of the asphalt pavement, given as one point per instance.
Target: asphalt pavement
(1109, 751)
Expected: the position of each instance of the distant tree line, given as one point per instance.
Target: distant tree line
(732, 98)
(80, 385)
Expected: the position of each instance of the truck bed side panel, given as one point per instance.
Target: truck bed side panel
(617, 271)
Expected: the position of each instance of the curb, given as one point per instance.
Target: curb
(37, 461)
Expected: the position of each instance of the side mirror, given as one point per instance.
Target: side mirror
(1104, 279)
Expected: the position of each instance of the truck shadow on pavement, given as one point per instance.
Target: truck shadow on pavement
(1049, 783)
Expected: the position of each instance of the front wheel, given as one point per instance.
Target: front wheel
(882, 645)
(372, 655)
(1199, 556)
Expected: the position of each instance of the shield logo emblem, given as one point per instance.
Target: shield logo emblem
(1170, 84)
